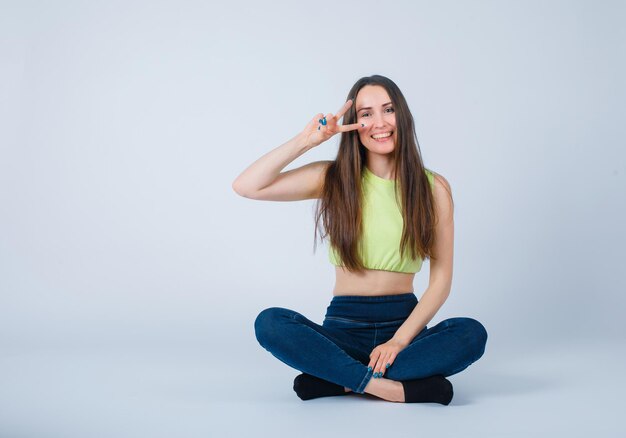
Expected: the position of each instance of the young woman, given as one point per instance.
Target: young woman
(384, 213)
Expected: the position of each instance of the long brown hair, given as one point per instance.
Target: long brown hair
(340, 203)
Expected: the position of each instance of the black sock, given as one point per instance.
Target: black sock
(308, 387)
(434, 389)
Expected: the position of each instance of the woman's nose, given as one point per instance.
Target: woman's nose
(378, 121)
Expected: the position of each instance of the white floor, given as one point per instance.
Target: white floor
(188, 391)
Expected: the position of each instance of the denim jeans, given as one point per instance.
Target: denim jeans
(338, 350)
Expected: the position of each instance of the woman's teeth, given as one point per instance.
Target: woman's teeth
(381, 137)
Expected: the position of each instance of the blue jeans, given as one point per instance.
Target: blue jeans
(338, 350)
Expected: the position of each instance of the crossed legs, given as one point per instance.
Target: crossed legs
(335, 356)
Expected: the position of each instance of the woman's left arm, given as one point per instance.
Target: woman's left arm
(440, 281)
(439, 284)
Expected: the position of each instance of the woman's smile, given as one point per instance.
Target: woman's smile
(383, 137)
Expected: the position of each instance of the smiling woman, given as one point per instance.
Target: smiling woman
(373, 93)
(383, 213)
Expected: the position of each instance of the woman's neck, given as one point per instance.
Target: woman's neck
(381, 166)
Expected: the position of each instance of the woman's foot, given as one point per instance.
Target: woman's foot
(387, 389)
(434, 389)
(308, 387)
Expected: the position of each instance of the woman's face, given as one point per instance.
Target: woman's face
(374, 108)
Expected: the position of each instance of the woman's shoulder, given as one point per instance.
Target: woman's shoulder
(442, 191)
(437, 179)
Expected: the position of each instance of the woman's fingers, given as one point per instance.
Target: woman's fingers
(388, 361)
(351, 127)
(379, 360)
(314, 127)
(332, 121)
(373, 360)
(315, 120)
(327, 126)
(341, 111)
(332, 126)
(392, 359)
(382, 361)
(376, 362)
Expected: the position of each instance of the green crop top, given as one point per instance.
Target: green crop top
(382, 227)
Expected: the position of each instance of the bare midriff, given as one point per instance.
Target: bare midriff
(372, 282)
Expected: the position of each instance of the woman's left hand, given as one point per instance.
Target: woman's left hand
(383, 355)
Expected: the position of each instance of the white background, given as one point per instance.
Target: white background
(131, 273)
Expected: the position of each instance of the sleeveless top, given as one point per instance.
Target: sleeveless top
(382, 227)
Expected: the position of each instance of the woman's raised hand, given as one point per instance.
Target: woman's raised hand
(317, 132)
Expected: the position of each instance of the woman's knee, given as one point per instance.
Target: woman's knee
(268, 323)
(475, 333)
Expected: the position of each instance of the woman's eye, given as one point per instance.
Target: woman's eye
(365, 114)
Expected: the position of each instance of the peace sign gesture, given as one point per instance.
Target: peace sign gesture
(321, 127)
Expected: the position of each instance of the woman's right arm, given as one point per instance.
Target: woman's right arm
(263, 180)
